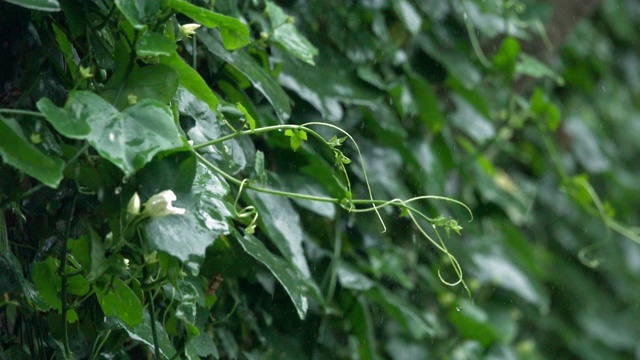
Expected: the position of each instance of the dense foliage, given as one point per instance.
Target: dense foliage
(317, 179)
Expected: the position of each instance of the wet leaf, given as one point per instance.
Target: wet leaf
(280, 221)
(207, 216)
(158, 82)
(288, 276)
(286, 35)
(234, 33)
(154, 44)
(143, 333)
(18, 152)
(138, 13)
(327, 85)
(117, 299)
(351, 278)
(402, 312)
(500, 271)
(260, 79)
(40, 5)
(531, 66)
(191, 80)
(233, 155)
(129, 139)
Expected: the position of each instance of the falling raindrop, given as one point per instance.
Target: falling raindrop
(112, 137)
(117, 190)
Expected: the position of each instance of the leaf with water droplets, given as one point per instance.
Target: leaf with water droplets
(187, 236)
(129, 139)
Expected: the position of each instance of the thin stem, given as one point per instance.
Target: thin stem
(237, 134)
(337, 250)
(235, 181)
(152, 317)
(21, 112)
(64, 282)
(474, 39)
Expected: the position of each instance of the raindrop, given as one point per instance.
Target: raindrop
(100, 194)
(457, 308)
(464, 15)
(112, 136)
(117, 190)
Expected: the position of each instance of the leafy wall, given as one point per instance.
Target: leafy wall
(318, 179)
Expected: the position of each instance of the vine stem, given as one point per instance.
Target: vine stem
(21, 112)
(304, 127)
(152, 318)
(64, 283)
(346, 203)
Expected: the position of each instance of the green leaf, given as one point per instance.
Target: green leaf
(259, 77)
(473, 323)
(498, 270)
(586, 146)
(18, 152)
(505, 59)
(158, 82)
(143, 333)
(410, 17)
(470, 120)
(48, 282)
(233, 155)
(544, 109)
(362, 327)
(187, 236)
(351, 278)
(191, 80)
(327, 85)
(204, 346)
(427, 103)
(288, 276)
(281, 222)
(175, 171)
(302, 184)
(139, 13)
(296, 137)
(154, 44)
(118, 300)
(89, 251)
(41, 5)
(128, 139)
(66, 49)
(187, 307)
(234, 33)
(528, 65)
(402, 312)
(250, 119)
(286, 35)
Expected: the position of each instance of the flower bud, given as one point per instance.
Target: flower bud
(187, 30)
(134, 205)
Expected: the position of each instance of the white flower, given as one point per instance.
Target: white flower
(187, 30)
(134, 205)
(159, 205)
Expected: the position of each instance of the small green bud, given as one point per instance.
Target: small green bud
(134, 205)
